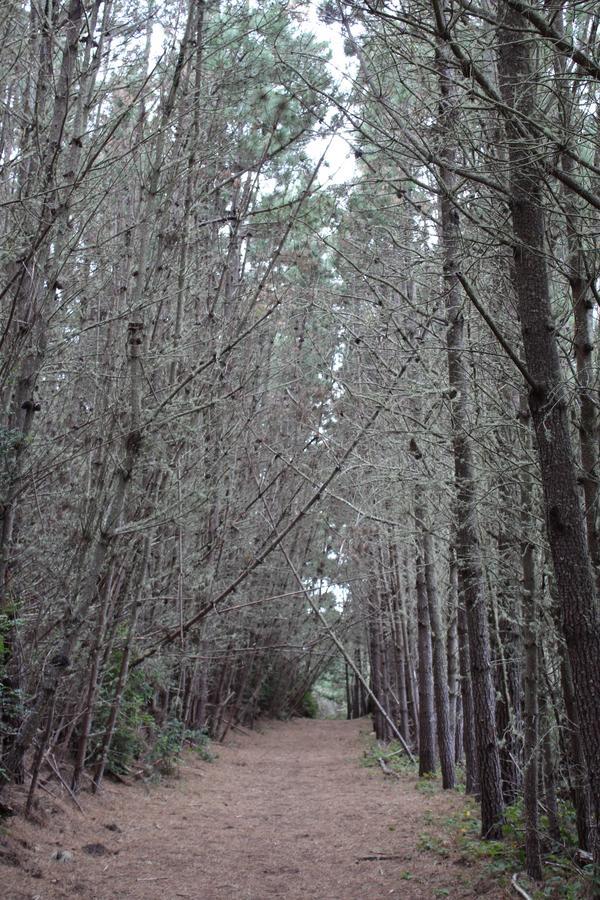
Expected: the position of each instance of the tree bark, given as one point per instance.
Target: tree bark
(533, 857)
(565, 522)
(470, 572)
(425, 676)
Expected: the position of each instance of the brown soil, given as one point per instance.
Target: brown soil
(285, 813)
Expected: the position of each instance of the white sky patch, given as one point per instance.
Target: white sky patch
(340, 64)
(339, 592)
(157, 44)
(339, 166)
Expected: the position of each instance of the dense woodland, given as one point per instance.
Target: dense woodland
(298, 371)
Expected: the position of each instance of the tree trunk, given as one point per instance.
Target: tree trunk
(425, 675)
(580, 618)
(530, 706)
(470, 572)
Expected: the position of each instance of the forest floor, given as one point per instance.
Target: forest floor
(285, 812)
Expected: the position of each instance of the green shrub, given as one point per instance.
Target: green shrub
(134, 725)
(11, 697)
(170, 743)
(309, 708)
(138, 738)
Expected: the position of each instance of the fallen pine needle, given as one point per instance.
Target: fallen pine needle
(153, 878)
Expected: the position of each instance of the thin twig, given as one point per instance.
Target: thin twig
(521, 891)
(54, 766)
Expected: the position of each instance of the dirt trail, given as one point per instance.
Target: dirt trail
(286, 813)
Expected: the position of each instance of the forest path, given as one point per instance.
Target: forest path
(285, 813)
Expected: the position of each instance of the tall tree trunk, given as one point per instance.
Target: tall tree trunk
(445, 735)
(530, 706)
(576, 758)
(115, 706)
(580, 617)
(94, 661)
(425, 674)
(580, 274)
(453, 663)
(470, 572)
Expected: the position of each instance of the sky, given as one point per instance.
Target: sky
(340, 157)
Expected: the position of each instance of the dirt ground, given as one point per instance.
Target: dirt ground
(288, 812)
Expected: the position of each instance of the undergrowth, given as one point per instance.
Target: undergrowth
(139, 739)
(562, 877)
(392, 754)
(309, 708)
(170, 743)
(460, 833)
